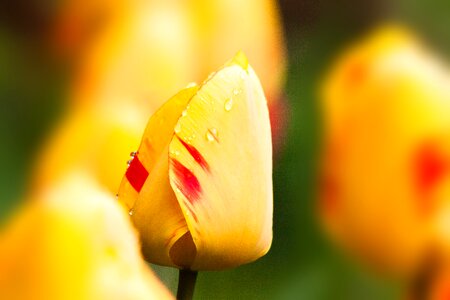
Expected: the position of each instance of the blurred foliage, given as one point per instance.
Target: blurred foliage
(301, 263)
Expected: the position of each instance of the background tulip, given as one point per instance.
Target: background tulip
(385, 181)
(74, 243)
(129, 52)
(199, 188)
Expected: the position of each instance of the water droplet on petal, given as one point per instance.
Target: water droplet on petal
(177, 128)
(229, 104)
(236, 92)
(133, 154)
(129, 161)
(175, 152)
(131, 212)
(211, 134)
(191, 84)
(184, 113)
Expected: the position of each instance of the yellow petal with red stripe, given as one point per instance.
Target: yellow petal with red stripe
(221, 168)
(216, 147)
(145, 189)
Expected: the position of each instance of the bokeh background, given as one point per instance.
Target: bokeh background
(302, 263)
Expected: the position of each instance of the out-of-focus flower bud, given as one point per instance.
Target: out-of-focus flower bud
(75, 242)
(142, 56)
(386, 163)
(199, 188)
(143, 52)
(94, 139)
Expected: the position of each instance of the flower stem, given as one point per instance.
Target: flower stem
(186, 284)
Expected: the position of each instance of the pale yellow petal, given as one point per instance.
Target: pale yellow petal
(145, 189)
(221, 168)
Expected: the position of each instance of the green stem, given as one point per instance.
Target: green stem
(186, 284)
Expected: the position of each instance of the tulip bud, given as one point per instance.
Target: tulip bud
(386, 162)
(199, 189)
(74, 242)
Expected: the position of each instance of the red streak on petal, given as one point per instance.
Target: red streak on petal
(357, 72)
(430, 167)
(193, 214)
(136, 174)
(195, 154)
(186, 181)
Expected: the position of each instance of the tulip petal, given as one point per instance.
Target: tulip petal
(221, 168)
(145, 189)
(74, 242)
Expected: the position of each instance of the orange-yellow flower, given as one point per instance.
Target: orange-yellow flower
(75, 242)
(199, 188)
(386, 168)
(93, 139)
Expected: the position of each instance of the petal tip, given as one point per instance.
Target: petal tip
(239, 59)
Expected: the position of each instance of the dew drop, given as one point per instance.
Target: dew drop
(211, 135)
(184, 113)
(129, 162)
(133, 154)
(175, 152)
(131, 212)
(229, 104)
(191, 84)
(177, 128)
(236, 92)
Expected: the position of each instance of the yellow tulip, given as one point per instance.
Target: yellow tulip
(386, 164)
(75, 242)
(199, 188)
(95, 139)
(143, 55)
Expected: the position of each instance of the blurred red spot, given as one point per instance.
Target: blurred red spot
(430, 167)
(195, 154)
(186, 181)
(136, 174)
(329, 196)
(356, 73)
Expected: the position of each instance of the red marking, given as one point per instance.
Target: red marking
(430, 167)
(193, 214)
(195, 154)
(186, 181)
(136, 174)
(329, 195)
(356, 73)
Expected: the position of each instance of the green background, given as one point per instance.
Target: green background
(302, 264)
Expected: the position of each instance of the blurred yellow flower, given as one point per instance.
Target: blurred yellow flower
(94, 139)
(199, 188)
(75, 242)
(385, 188)
(135, 55)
